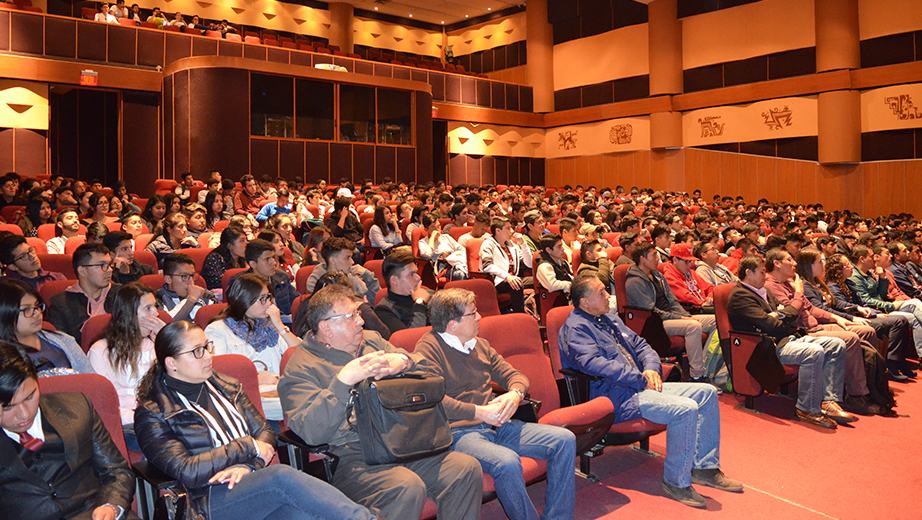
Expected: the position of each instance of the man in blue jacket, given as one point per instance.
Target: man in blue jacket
(599, 344)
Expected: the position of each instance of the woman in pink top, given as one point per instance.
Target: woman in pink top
(126, 350)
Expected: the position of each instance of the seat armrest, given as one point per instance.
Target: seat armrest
(153, 476)
(290, 437)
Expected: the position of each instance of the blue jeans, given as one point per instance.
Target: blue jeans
(692, 419)
(282, 493)
(912, 310)
(498, 451)
(813, 385)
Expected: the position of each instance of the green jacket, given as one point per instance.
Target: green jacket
(872, 290)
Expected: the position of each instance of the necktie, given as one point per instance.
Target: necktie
(30, 442)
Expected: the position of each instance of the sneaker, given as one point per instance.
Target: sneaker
(716, 479)
(687, 496)
(702, 379)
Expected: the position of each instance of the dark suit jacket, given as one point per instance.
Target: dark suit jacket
(77, 469)
(748, 312)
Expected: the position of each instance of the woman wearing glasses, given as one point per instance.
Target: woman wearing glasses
(251, 325)
(200, 428)
(21, 310)
(126, 350)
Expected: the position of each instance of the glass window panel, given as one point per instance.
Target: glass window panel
(272, 106)
(394, 121)
(315, 110)
(356, 114)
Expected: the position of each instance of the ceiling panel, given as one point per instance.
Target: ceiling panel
(435, 11)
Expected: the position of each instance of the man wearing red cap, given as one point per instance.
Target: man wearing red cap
(692, 291)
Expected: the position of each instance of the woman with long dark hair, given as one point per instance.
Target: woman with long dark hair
(230, 254)
(214, 209)
(126, 350)
(153, 212)
(38, 212)
(314, 242)
(21, 310)
(251, 325)
(171, 238)
(200, 428)
(173, 203)
(98, 210)
(385, 232)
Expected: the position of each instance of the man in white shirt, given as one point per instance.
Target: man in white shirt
(68, 222)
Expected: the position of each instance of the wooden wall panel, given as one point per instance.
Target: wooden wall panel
(182, 136)
(805, 173)
(626, 175)
(692, 169)
(870, 183)
(264, 157)
(487, 170)
(204, 47)
(31, 147)
(363, 162)
(385, 163)
(473, 170)
(710, 174)
(140, 144)
(122, 45)
(291, 160)
(749, 177)
(91, 41)
(730, 174)
(785, 185)
(913, 175)
(61, 37)
(891, 182)
(6, 149)
(317, 161)
(26, 34)
(501, 170)
(457, 167)
(596, 171)
(219, 137)
(4, 30)
(340, 161)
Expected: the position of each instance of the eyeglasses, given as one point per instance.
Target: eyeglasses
(183, 277)
(475, 313)
(30, 312)
(351, 316)
(26, 255)
(199, 351)
(104, 267)
(266, 298)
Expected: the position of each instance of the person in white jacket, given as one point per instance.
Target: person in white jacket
(251, 325)
(442, 250)
(505, 256)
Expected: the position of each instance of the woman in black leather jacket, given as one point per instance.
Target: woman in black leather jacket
(200, 428)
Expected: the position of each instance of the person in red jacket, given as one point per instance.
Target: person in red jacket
(692, 291)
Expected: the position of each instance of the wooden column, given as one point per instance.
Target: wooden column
(837, 39)
(539, 45)
(839, 127)
(665, 43)
(341, 31)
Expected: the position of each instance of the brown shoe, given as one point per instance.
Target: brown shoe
(816, 419)
(836, 413)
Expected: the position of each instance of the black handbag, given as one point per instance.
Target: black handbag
(400, 418)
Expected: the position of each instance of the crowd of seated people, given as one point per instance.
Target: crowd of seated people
(827, 288)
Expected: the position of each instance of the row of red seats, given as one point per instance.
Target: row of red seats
(20, 5)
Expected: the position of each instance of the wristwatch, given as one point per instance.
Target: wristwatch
(521, 394)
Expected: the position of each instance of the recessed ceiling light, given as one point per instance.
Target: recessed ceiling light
(489, 8)
(376, 8)
(465, 16)
(443, 21)
(411, 16)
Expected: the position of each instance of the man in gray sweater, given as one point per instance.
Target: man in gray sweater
(315, 390)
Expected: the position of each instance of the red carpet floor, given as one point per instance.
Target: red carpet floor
(791, 470)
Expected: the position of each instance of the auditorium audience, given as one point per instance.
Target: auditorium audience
(552, 270)
(21, 323)
(315, 239)
(404, 305)
(230, 254)
(314, 391)
(195, 220)
(505, 256)
(251, 325)
(384, 234)
(262, 260)
(59, 460)
(172, 238)
(179, 296)
(96, 232)
(38, 212)
(104, 15)
(337, 256)
(23, 264)
(153, 212)
(125, 351)
(90, 296)
(125, 267)
(213, 454)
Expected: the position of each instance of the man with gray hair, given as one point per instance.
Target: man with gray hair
(482, 425)
(315, 390)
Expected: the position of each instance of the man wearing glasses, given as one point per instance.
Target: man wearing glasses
(90, 296)
(315, 389)
(22, 262)
(482, 425)
(179, 295)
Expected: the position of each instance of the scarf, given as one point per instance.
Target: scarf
(262, 336)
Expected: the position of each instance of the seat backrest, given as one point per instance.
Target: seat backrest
(620, 275)
(297, 303)
(301, 279)
(12, 228)
(8, 213)
(721, 297)
(45, 231)
(197, 254)
(73, 243)
(243, 370)
(38, 244)
(485, 297)
(53, 287)
(146, 257)
(614, 253)
(204, 239)
(408, 338)
(220, 225)
(472, 248)
(141, 242)
(415, 237)
(204, 315)
(377, 267)
(555, 319)
(101, 394)
(230, 273)
(59, 263)
(380, 295)
(524, 350)
(457, 231)
(92, 330)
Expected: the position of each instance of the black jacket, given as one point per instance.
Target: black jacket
(175, 439)
(79, 469)
(135, 272)
(748, 312)
(67, 310)
(399, 312)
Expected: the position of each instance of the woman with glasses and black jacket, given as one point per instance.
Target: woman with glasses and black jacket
(200, 428)
(251, 325)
